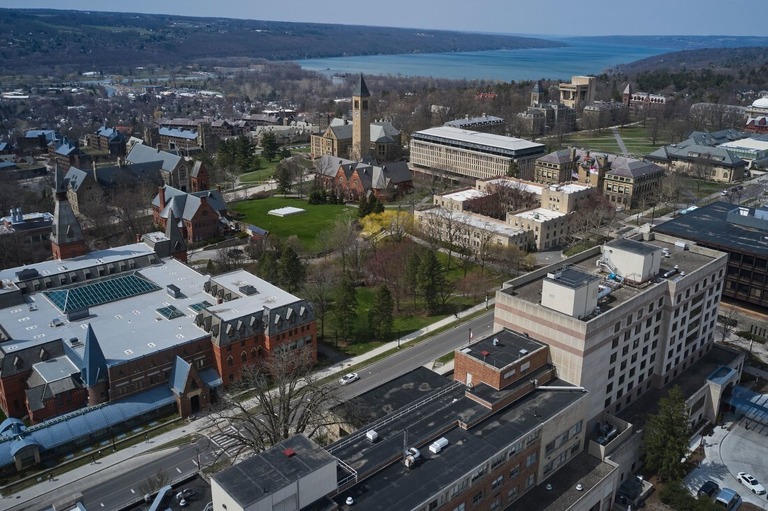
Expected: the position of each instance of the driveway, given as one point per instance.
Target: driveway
(731, 450)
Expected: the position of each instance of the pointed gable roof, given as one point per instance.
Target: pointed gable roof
(361, 90)
(65, 229)
(538, 89)
(173, 233)
(94, 367)
(180, 374)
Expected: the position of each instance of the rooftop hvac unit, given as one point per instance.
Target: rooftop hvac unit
(438, 445)
(372, 435)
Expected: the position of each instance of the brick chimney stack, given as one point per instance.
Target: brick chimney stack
(161, 194)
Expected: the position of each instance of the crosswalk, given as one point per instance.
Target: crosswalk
(228, 442)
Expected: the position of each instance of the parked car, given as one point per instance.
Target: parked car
(708, 489)
(728, 499)
(349, 378)
(750, 482)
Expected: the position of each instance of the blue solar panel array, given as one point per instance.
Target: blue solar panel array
(100, 292)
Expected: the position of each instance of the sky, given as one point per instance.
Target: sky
(537, 17)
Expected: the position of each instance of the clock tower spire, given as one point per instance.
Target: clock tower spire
(361, 122)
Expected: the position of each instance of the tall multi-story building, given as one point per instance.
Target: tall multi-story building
(485, 441)
(620, 319)
(465, 156)
(579, 92)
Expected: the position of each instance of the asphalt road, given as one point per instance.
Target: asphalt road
(119, 487)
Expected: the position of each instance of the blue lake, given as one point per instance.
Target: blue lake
(578, 58)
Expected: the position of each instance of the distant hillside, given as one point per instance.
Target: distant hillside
(725, 70)
(679, 42)
(36, 41)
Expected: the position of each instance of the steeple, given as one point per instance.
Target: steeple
(536, 93)
(361, 122)
(362, 90)
(94, 364)
(178, 247)
(67, 240)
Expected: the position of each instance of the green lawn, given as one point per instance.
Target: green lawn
(263, 174)
(309, 227)
(634, 137)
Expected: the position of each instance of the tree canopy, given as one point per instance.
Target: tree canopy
(667, 434)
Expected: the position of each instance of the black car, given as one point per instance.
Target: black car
(709, 488)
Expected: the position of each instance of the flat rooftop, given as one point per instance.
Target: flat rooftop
(747, 143)
(463, 195)
(709, 225)
(689, 381)
(540, 215)
(386, 483)
(478, 140)
(525, 186)
(252, 479)
(509, 347)
(529, 289)
(477, 221)
(583, 469)
(128, 325)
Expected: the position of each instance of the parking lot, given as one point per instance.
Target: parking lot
(730, 450)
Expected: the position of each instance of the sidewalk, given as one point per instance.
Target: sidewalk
(135, 456)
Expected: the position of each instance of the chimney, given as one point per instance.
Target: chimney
(161, 195)
(218, 187)
(158, 147)
(138, 238)
(573, 153)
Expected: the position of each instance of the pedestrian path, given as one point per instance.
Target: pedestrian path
(105, 468)
(620, 141)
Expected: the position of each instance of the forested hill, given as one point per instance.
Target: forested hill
(696, 71)
(33, 40)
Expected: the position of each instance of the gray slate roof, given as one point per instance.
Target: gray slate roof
(185, 205)
(630, 167)
(141, 153)
(372, 177)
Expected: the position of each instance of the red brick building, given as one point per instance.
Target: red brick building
(201, 215)
(353, 180)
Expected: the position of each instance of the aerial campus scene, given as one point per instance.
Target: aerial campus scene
(418, 256)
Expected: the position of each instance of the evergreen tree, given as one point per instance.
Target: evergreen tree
(345, 311)
(285, 152)
(375, 205)
(267, 267)
(269, 145)
(430, 281)
(364, 208)
(291, 270)
(380, 316)
(667, 433)
(412, 274)
(284, 178)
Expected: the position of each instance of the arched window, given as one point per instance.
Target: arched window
(254, 354)
(230, 361)
(243, 356)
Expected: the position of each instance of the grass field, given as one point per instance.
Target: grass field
(268, 171)
(308, 227)
(634, 137)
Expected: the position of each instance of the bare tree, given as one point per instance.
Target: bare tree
(319, 290)
(728, 318)
(153, 483)
(289, 399)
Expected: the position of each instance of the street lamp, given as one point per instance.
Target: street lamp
(469, 340)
